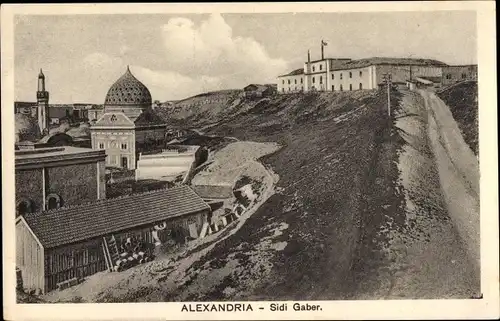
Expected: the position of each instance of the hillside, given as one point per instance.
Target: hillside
(345, 207)
(318, 236)
(462, 101)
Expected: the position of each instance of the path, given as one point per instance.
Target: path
(458, 171)
(429, 257)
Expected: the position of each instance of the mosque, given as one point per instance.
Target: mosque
(129, 125)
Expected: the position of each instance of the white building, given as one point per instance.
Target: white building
(343, 74)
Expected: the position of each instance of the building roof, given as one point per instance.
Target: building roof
(294, 73)
(360, 63)
(39, 157)
(128, 91)
(77, 223)
(213, 191)
(149, 117)
(257, 87)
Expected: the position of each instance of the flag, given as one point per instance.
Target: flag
(323, 43)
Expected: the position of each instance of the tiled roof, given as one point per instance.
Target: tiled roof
(295, 72)
(213, 191)
(149, 117)
(72, 224)
(387, 61)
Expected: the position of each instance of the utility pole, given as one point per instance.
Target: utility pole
(388, 81)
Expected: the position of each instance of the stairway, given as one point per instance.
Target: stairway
(110, 249)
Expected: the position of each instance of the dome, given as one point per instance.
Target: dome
(26, 128)
(127, 91)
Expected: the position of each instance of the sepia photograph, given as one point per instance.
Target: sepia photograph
(217, 159)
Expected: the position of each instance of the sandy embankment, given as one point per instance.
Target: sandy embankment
(428, 258)
(458, 172)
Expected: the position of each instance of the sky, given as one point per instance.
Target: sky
(177, 56)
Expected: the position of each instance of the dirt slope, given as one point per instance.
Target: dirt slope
(463, 104)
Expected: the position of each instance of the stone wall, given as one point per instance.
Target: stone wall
(29, 186)
(73, 189)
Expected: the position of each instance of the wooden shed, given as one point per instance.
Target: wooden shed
(69, 243)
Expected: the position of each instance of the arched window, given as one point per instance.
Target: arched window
(350, 86)
(53, 201)
(350, 74)
(360, 86)
(341, 88)
(24, 207)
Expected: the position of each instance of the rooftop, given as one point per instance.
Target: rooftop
(295, 72)
(42, 155)
(77, 223)
(388, 61)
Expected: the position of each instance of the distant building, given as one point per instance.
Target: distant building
(129, 125)
(454, 74)
(258, 91)
(49, 178)
(344, 74)
(71, 243)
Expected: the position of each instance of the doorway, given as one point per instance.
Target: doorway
(125, 162)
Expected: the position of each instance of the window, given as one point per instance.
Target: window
(24, 207)
(313, 80)
(464, 76)
(320, 67)
(333, 87)
(333, 76)
(361, 74)
(295, 81)
(340, 75)
(360, 86)
(101, 145)
(301, 80)
(320, 79)
(53, 202)
(350, 74)
(289, 81)
(448, 76)
(350, 86)
(341, 89)
(282, 90)
(124, 146)
(283, 81)
(313, 68)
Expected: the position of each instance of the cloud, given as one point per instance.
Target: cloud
(199, 59)
(190, 59)
(163, 84)
(211, 49)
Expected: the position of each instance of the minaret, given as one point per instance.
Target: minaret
(42, 98)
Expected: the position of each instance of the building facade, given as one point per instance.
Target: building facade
(454, 74)
(69, 243)
(50, 178)
(128, 125)
(343, 74)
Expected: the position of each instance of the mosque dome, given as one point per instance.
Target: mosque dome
(129, 92)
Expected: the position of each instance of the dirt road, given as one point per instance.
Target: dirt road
(427, 254)
(458, 172)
